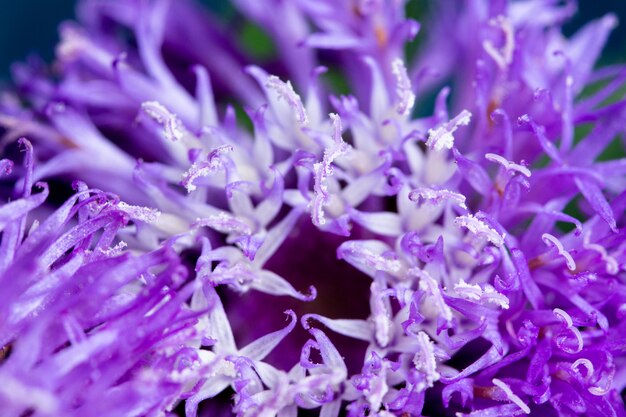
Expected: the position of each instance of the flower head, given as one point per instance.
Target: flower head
(470, 261)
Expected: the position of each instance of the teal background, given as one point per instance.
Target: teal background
(30, 27)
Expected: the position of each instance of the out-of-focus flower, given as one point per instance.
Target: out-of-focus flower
(87, 329)
(486, 242)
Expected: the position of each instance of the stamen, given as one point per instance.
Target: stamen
(323, 170)
(212, 164)
(144, 214)
(474, 292)
(437, 196)
(172, 126)
(285, 91)
(441, 137)
(404, 90)
(480, 228)
(381, 316)
(424, 359)
(225, 223)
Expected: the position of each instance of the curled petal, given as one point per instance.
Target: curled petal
(331, 357)
(511, 395)
(552, 241)
(261, 347)
(271, 283)
(508, 165)
(464, 386)
(323, 170)
(357, 329)
(587, 364)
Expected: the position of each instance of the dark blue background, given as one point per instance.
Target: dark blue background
(30, 26)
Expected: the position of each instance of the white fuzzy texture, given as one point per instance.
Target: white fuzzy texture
(172, 126)
(201, 169)
(441, 137)
(324, 169)
(424, 359)
(285, 91)
(480, 228)
(437, 196)
(115, 250)
(380, 315)
(226, 223)
(488, 294)
(28, 395)
(379, 262)
(144, 214)
(404, 90)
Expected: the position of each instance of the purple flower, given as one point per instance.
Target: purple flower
(71, 296)
(470, 262)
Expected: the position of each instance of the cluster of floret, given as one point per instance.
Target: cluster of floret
(491, 233)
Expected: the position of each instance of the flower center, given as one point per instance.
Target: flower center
(307, 257)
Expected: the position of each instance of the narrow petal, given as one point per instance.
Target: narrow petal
(262, 347)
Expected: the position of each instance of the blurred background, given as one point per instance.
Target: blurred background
(30, 26)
